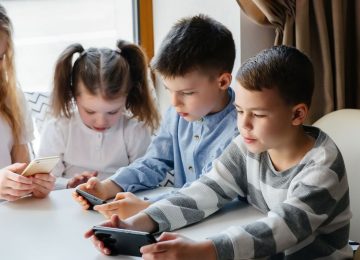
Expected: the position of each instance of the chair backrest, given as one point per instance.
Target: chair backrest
(343, 126)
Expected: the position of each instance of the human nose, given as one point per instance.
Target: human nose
(175, 100)
(246, 122)
(101, 120)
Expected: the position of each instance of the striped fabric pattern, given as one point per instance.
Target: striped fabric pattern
(307, 206)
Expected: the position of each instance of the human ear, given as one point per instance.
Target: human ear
(224, 80)
(299, 114)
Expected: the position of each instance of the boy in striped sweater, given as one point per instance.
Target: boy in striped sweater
(293, 173)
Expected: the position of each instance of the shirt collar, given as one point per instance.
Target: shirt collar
(213, 119)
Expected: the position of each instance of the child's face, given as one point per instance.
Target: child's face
(96, 112)
(196, 95)
(3, 46)
(265, 121)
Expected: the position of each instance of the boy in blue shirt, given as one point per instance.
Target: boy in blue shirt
(195, 62)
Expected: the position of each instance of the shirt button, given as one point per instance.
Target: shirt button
(201, 119)
(190, 168)
(196, 137)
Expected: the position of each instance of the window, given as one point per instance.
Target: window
(44, 28)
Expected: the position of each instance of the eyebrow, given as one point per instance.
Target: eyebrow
(252, 108)
(91, 110)
(181, 90)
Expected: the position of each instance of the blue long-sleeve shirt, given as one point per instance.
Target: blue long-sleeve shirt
(187, 148)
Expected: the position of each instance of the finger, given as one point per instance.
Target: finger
(114, 205)
(91, 183)
(153, 248)
(16, 167)
(18, 185)
(115, 220)
(41, 189)
(168, 236)
(17, 193)
(9, 197)
(45, 177)
(105, 214)
(38, 183)
(90, 174)
(121, 196)
(89, 233)
(18, 178)
(100, 246)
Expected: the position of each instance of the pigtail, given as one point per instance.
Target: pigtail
(139, 100)
(63, 92)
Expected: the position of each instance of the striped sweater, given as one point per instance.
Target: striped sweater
(307, 206)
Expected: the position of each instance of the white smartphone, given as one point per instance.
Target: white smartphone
(41, 165)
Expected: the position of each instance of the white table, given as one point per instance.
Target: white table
(53, 228)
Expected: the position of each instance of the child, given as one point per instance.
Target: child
(16, 128)
(293, 173)
(198, 126)
(98, 135)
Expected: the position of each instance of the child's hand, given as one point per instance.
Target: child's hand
(81, 178)
(125, 205)
(43, 184)
(114, 222)
(12, 185)
(174, 246)
(93, 186)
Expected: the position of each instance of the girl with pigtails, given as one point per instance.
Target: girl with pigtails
(92, 131)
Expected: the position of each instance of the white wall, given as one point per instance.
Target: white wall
(253, 37)
(166, 13)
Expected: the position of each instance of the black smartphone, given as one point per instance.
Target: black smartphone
(90, 198)
(123, 241)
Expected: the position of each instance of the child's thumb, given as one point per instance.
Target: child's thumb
(91, 183)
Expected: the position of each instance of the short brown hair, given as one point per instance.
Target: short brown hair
(281, 67)
(195, 43)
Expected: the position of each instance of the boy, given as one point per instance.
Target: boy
(198, 126)
(293, 173)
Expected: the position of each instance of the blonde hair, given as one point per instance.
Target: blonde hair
(9, 103)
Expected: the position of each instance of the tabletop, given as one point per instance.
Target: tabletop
(53, 228)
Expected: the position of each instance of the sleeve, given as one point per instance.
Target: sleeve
(316, 197)
(52, 142)
(137, 139)
(201, 198)
(28, 134)
(148, 171)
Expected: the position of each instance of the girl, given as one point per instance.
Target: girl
(91, 131)
(15, 127)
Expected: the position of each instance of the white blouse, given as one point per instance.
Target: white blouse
(83, 149)
(6, 136)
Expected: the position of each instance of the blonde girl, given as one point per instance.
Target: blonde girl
(92, 131)
(16, 128)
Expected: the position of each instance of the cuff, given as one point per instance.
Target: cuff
(61, 183)
(223, 246)
(158, 216)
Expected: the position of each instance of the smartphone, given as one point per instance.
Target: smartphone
(123, 241)
(41, 165)
(93, 200)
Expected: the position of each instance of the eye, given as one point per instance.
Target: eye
(89, 112)
(187, 93)
(113, 112)
(259, 115)
(240, 112)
